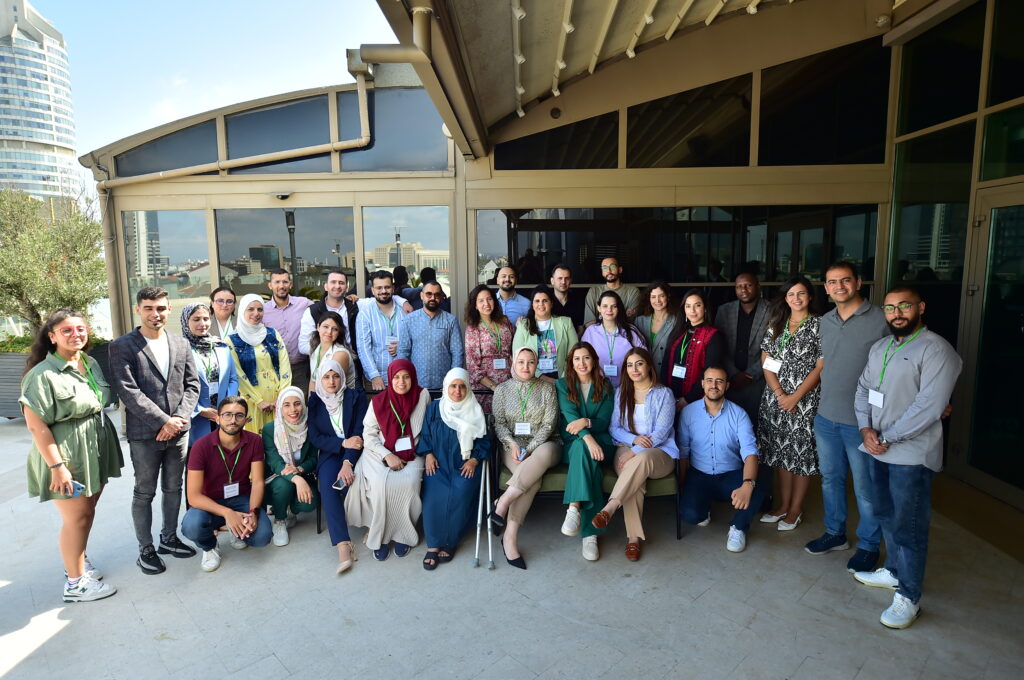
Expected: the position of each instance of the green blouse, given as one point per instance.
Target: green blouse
(599, 413)
(275, 463)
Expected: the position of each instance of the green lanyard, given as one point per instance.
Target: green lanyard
(610, 345)
(787, 336)
(887, 357)
(89, 378)
(207, 365)
(390, 320)
(337, 422)
(316, 366)
(682, 350)
(524, 402)
(494, 334)
(231, 470)
(397, 417)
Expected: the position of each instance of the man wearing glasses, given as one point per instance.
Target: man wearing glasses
(611, 272)
(902, 395)
(718, 460)
(431, 339)
(225, 485)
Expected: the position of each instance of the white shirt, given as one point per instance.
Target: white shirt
(161, 350)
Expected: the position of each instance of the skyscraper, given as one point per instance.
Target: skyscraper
(37, 129)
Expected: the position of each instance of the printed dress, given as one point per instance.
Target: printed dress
(483, 346)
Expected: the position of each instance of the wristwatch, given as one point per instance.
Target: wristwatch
(752, 482)
(882, 440)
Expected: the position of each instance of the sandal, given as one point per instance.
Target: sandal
(601, 520)
(444, 559)
(633, 552)
(431, 560)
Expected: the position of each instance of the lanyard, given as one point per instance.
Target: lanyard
(611, 345)
(887, 357)
(337, 422)
(389, 320)
(397, 417)
(207, 365)
(231, 470)
(787, 336)
(316, 366)
(89, 378)
(523, 402)
(496, 334)
(686, 343)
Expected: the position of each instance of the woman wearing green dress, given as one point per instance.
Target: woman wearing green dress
(291, 460)
(585, 402)
(74, 445)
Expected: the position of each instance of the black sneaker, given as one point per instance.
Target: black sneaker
(863, 560)
(173, 546)
(826, 544)
(149, 562)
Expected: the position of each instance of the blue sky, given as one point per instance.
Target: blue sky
(138, 64)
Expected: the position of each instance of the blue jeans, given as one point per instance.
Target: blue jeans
(198, 525)
(903, 504)
(700, 489)
(837, 453)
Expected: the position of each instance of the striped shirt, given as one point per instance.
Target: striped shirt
(372, 332)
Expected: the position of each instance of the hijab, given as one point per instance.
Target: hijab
(252, 334)
(512, 370)
(289, 438)
(200, 343)
(465, 417)
(389, 403)
(333, 401)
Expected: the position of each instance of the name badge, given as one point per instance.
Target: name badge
(611, 370)
(391, 339)
(678, 371)
(772, 365)
(876, 398)
(523, 428)
(547, 365)
(403, 444)
(230, 490)
(500, 364)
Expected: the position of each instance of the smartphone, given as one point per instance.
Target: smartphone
(76, 489)
(339, 484)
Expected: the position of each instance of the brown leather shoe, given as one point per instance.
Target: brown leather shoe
(633, 552)
(601, 520)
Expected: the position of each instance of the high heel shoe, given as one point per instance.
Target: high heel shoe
(518, 563)
(497, 521)
(347, 564)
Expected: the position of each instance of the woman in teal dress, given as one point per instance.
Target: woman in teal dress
(585, 402)
(291, 460)
(75, 448)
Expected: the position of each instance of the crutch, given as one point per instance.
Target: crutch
(480, 516)
(487, 508)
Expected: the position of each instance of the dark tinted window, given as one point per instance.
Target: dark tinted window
(828, 108)
(291, 125)
(1007, 72)
(1003, 153)
(941, 71)
(192, 146)
(405, 128)
(705, 127)
(587, 144)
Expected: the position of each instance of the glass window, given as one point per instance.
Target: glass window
(168, 248)
(828, 108)
(587, 144)
(291, 125)
(251, 242)
(1005, 81)
(194, 145)
(413, 236)
(405, 128)
(855, 240)
(941, 71)
(705, 127)
(1003, 150)
(933, 187)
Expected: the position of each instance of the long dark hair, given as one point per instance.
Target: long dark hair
(531, 316)
(572, 381)
(42, 344)
(622, 322)
(472, 317)
(694, 292)
(314, 340)
(671, 308)
(780, 310)
(627, 395)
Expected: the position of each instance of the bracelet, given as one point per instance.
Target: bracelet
(55, 465)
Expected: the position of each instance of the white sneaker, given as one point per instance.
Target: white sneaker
(90, 570)
(590, 551)
(291, 520)
(87, 589)
(237, 543)
(737, 540)
(211, 560)
(280, 533)
(901, 613)
(879, 578)
(707, 521)
(571, 525)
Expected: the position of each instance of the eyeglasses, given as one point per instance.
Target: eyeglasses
(714, 381)
(224, 302)
(68, 331)
(233, 416)
(609, 267)
(902, 306)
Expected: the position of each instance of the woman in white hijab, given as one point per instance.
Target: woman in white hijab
(454, 441)
(291, 459)
(262, 362)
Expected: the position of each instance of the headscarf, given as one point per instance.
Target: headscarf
(251, 333)
(465, 417)
(289, 438)
(203, 344)
(512, 368)
(332, 401)
(388, 402)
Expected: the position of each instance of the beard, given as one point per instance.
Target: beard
(903, 331)
(383, 298)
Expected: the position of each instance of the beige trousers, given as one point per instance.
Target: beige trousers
(631, 485)
(526, 476)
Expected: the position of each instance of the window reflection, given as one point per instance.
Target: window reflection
(406, 130)
(194, 145)
(1003, 152)
(586, 144)
(415, 237)
(291, 125)
(1007, 52)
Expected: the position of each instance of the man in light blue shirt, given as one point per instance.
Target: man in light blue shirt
(377, 330)
(431, 339)
(512, 303)
(716, 440)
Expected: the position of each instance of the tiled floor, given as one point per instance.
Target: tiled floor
(688, 609)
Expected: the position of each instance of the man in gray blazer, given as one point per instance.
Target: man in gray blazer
(156, 379)
(743, 322)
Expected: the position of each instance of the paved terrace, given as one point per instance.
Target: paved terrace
(688, 609)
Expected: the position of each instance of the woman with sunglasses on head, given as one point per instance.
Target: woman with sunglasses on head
(488, 343)
(696, 345)
(792, 361)
(548, 336)
(660, 318)
(328, 342)
(222, 301)
(612, 335)
(261, 359)
(585, 401)
(643, 427)
(217, 375)
(75, 447)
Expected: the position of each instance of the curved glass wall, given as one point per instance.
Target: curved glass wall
(290, 125)
(193, 145)
(415, 237)
(405, 127)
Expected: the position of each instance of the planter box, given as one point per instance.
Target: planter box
(12, 366)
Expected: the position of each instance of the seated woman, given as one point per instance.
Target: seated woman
(336, 429)
(290, 456)
(453, 441)
(548, 336)
(642, 427)
(261, 359)
(217, 375)
(613, 334)
(525, 415)
(385, 495)
(697, 345)
(585, 400)
(329, 343)
(488, 343)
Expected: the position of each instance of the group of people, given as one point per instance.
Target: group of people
(612, 378)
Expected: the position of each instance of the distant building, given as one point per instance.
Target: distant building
(268, 256)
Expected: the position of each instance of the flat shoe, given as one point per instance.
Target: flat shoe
(633, 552)
(401, 549)
(601, 520)
(571, 524)
(381, 553)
